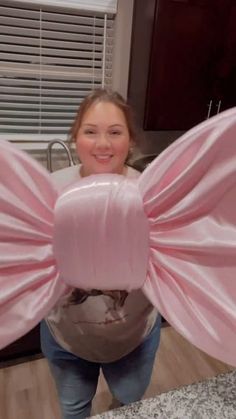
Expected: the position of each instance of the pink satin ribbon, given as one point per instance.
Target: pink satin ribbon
(171, 233)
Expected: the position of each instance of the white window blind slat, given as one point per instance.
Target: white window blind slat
(62, 36)
(49, 16)
(19, 22)
(33, 120)
(51, 52)
(31, 129)
(44, 60)
(103, 6)
(33, 99)
(52, 26)
(16, 122)
(46, 92)
(18, 12)
(15, 41)
(47, 83)
(5, 29)
(18, 114)
(82, 74)
(50, 58)
(47, 107)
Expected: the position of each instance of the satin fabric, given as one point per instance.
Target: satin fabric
(189, 197)
(29, 279)
(185, 252)
(102, 234)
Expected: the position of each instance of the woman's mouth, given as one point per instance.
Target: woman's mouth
(103, 158)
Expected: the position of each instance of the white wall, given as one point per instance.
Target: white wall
(123, 32)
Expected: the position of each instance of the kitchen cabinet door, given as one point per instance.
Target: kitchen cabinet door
(186, 45)
(24, 347)
(224, 88)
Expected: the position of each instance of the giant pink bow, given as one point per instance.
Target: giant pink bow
(171, 233)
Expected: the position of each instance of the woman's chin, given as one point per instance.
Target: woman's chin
(100, 169)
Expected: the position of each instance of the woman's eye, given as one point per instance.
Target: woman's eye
(115, 132)
(89, 132)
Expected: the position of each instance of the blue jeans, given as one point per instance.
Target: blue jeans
(76, 379)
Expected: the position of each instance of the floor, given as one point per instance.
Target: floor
(27, 390)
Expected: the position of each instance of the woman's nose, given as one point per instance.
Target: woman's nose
(102, 140)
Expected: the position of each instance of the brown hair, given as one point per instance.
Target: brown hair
(104, 95)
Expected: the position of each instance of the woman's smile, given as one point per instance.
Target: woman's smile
(103, 158)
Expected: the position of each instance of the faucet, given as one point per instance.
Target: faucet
(49, 153)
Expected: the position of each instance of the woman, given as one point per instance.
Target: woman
(115, 331)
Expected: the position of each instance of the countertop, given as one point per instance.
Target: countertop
(210, 399)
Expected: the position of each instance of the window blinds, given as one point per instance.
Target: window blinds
(105, 6)
(50, 58)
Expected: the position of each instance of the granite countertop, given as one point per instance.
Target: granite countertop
(210, 399)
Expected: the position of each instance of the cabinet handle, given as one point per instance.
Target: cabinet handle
(218, 106)
(209, 109)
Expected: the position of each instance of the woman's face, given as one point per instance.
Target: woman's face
(103, 140)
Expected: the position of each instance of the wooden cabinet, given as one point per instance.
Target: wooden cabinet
(225, 72)
(26, 346)
(191, 65)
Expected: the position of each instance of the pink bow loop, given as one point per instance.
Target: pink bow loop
(29, 279)
(189, 195)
